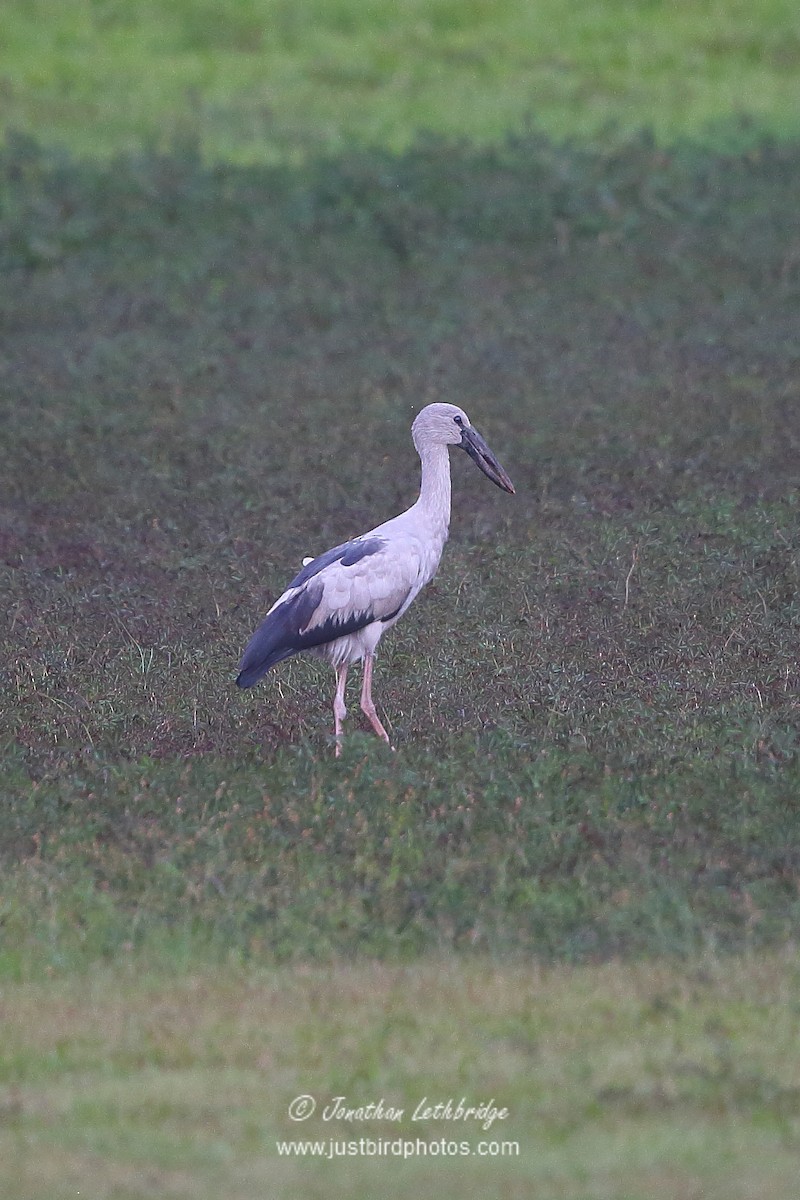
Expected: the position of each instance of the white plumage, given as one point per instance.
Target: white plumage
(341, 603)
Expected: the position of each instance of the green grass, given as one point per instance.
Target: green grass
(265, 79)
(595, 704)
(648, 1081)
(526, 850)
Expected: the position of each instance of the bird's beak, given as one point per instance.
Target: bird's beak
(479, 452)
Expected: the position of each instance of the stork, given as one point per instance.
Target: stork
(340, 604)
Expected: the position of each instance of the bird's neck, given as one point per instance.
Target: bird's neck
(434, 493)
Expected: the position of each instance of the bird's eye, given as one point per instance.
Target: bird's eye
(458, 420)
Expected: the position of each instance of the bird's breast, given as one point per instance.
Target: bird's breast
(431, 557)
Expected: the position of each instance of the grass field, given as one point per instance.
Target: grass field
(266, 79)
(575, 885)
(637, 1081)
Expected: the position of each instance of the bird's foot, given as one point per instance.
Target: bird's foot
(381, 732)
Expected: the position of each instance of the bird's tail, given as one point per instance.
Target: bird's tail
(266, 647)
(254, 664)
(278, 636)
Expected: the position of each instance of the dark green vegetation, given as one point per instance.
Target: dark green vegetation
(209, 373)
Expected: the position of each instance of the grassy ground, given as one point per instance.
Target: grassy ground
(208, 371)
(640, 1081)
(595, 705)
(283, 78)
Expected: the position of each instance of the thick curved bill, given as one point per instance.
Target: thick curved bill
(479, 452)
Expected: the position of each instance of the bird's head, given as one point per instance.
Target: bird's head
(449, 425)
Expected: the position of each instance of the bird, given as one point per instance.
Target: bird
(342, 602)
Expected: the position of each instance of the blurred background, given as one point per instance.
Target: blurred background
(259, 80)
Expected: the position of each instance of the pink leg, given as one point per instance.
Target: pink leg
(367, 706)
(339, 710)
